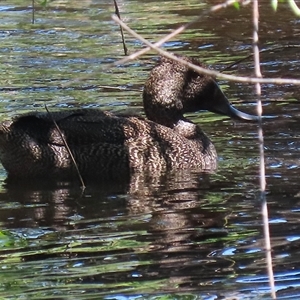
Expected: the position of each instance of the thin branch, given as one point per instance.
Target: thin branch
(264, 206)
(163, 40)
(200, 69)
(68, 149)
(117, 12)
(178, 30)
(279, 81)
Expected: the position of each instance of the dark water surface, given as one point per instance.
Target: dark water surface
(185, 236)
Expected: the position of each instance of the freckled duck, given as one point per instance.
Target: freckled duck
(106, 145)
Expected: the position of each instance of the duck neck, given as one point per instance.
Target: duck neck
(165, 117)
(177, 122)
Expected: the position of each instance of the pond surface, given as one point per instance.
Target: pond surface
(188, 236)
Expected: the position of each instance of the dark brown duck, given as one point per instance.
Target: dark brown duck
(108, 146)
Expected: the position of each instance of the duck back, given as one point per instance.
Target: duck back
(104, 145)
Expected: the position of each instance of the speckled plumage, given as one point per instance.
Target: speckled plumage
(110, 146)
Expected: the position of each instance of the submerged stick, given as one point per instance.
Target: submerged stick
(117, 12)
(68, 149)
(262, 171)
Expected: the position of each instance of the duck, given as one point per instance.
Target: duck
(109, 146)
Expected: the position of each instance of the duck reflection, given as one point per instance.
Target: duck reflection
(164, 196)
(168, 220)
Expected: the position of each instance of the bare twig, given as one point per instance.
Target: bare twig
(68, 149)
(156, 46)
(176, 32)
(163, 40)
(200, 69)
(121, 29)
(264, 207)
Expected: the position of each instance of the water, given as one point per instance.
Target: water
(186, 236)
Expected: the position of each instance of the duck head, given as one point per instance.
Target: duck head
(173, 89)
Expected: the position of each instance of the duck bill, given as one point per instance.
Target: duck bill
(222, 106)
(236, 114)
